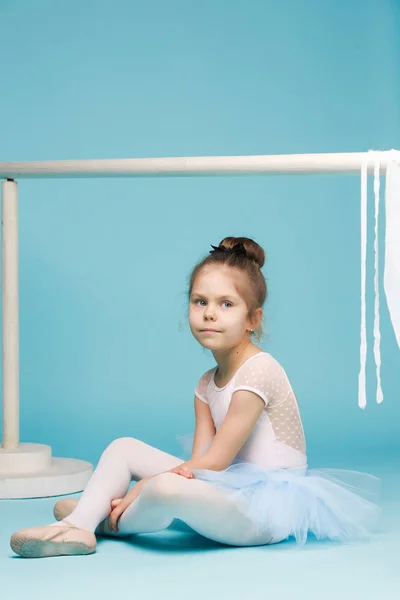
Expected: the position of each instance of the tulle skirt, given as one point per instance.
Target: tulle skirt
(333, 504)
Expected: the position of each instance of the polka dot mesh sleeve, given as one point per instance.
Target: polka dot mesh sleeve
(264, 376)
(201, 388)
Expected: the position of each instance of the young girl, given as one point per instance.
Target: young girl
(247, 481)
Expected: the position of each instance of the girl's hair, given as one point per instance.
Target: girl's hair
(252, 287)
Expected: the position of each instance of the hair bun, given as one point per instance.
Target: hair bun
(253, 250)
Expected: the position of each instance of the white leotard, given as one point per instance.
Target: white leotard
(277, 440)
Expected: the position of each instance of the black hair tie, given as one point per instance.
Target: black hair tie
(238, 249)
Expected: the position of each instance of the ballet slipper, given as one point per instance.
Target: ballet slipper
(64, 507)
(40, 542)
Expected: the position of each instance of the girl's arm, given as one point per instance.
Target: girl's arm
(244, 411)
(205, 429)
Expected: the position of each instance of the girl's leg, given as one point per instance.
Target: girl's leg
(201, 505)
(123, 460)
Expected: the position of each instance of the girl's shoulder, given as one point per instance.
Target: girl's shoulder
(263, 372)
(206, 377)
(203, 383)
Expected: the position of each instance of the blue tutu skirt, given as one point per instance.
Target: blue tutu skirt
(333, 504)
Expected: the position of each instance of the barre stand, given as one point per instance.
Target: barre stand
(27, 470)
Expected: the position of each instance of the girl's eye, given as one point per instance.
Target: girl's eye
(225, 301)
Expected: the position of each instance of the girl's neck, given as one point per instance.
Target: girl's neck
(230, 360)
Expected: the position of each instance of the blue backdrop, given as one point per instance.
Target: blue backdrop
(105, 347)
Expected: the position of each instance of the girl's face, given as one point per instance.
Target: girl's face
(215, 304)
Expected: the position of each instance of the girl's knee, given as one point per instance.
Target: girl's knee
(164, 485)
(122, 441)
(122, 445)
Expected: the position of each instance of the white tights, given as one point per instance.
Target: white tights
(200, 504)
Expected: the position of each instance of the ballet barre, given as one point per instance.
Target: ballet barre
(345, 162)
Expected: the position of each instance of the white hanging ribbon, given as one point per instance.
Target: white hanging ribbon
(392, 262)
(377, 332)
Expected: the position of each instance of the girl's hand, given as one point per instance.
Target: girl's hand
(183, 472)
(119, 505)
